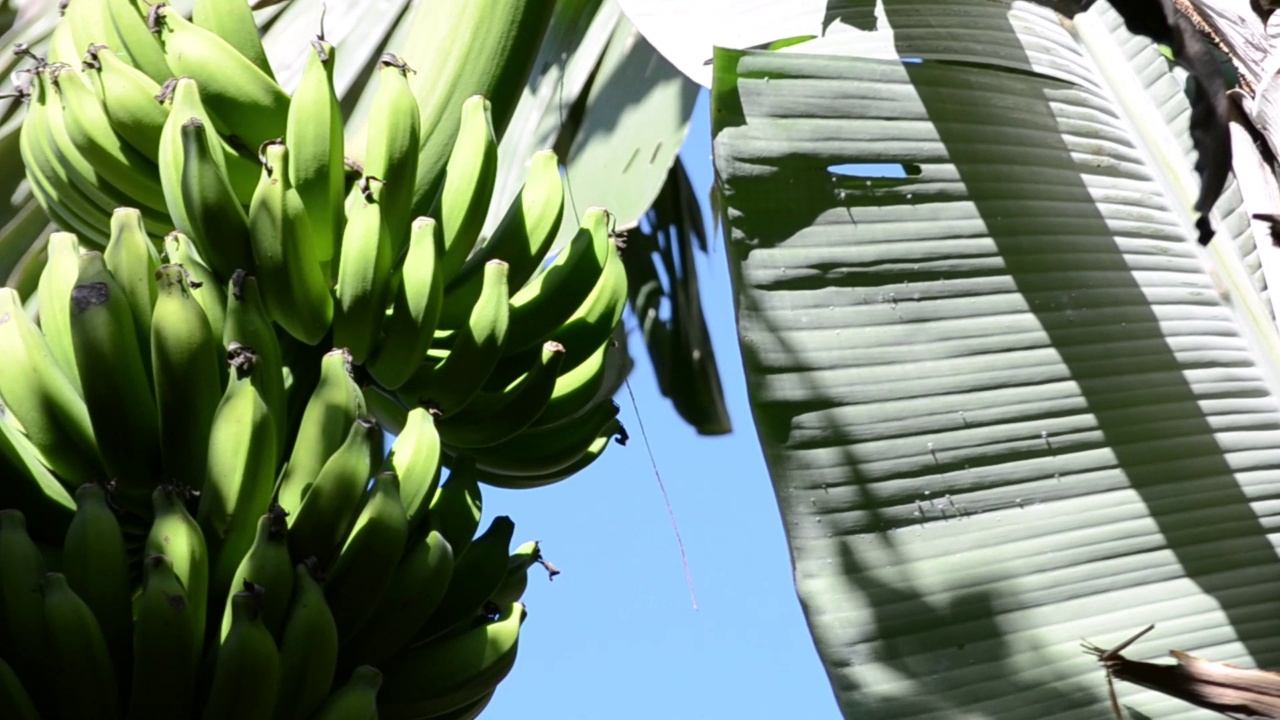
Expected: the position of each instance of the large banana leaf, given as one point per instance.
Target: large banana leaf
(1005, 398)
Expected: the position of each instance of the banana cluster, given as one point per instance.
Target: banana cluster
(187, 549)
(181, 118)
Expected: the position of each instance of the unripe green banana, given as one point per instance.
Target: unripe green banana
(419, 298)
(330, 505)
(15, 702)
(138, 46)
(517, 578)
(494, 416)
(391, 146)
(117, 389)
(385, 408)
(315, 140)
(333, 407)
(308, 650)
(207, 290)
(246, 102)
(455, 508)
(548, 450)
(96, 564)
(84, 680)
(29, 486)
(218, 222)
(242, 461)
(368, 559)
(246, 676)
(133, 260)
(176, 535)
(364, 271)
(185, 366)
(418, 586)
(509, 481)
(477, 574)
(439, 677)
(356, 700)
(468, 184)
(249, 325)
(165, 650)
(591, 326)
(233, 21)
(456, 379)
(521, 239)
(129, 98)
(186, 102)
(267, 564)
(54, 291)
(22, 567)
(293, 284)
(575, 390)
(415, 459)
(44, 401)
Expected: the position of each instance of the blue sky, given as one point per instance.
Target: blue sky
(615, 636)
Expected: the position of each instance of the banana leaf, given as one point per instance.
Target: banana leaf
(1006, 400)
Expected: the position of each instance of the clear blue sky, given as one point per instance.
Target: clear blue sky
(615, 637)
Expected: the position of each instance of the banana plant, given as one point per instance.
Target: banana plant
(1012, 358)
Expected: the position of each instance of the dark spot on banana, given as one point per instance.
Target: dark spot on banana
(89, 295)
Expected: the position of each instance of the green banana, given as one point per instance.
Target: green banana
(510, 481)
(22, 567)
(308, 649)
(416, 589)
(240, 164)
(138, 45)
(466, 48)
(133, 260)
(84, 680)
(591, 326)
(233, 21)
(419, 299)
(521, 239)
(492, 417)
(415, 459)
(33, 389)
(87, 22)
(384, 408)
(575, 390)
(548, 450)
(246, 676)
(364, 271)
(517, 578)
(249, 325)
(438, 677)
(477, 574)
(329, 506)
(455, 508)
(218, 223)
(456, 379)
(30, 487)
(15, 702)
(54, 292)
(176, 535)
(294, 287)
(241, 470)
(114, 378)
(469, 178)
(368, 559)
(205, 288)
(267, 564)
(166, 653)
(185, 366)
(246, 102)
(356, 700)
(130, 100)
(96, 565)
(392, 139)
(331, 411)
(314, 136)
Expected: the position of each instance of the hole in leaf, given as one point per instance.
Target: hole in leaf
(875, 170)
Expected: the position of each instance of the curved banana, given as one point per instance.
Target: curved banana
(364, 271)
(233, 21)
(517, 579)
(494, 416)
(218, 223)
(416, 589)
(419, 299)
(29, 487)
(308, 649)
(356, 700)
(246, 102)
(439, 677)
(130, 100)
(22, 567)
(15, 701)
(455, 508)
(331, 411)
(455, 380)
(84, 680)
(181, 95)
(266, 564)
(205, 288)
(549, 450)
(176, 535)
(166, 654)
(133, 260)
(384, 408)
(330, 505)
(415, 459)
(246, 676)
(113, 377)
(96, 565)
(138, 45)
(54, 292)
(507, 481)
(477, 574)
(314, 137)
(368, 559)
(591, 326)
(521, 239)
(33, 389)
(249, 326)
(468, 184)
(293, 284)
(391, 146)
(575, 390)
